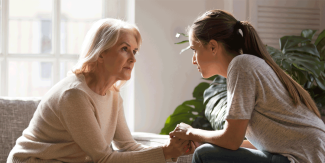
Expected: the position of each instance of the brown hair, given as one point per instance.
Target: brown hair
(222, 26)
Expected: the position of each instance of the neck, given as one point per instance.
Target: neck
(226, 61)
(98, 82)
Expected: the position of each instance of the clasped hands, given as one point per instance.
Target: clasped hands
(179, 142)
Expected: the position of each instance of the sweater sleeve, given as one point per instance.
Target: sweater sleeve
(123, 139)
(77, 116)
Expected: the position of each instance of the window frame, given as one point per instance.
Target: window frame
(55, 57)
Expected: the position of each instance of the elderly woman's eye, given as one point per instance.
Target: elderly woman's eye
(134, 52)
(125, 48)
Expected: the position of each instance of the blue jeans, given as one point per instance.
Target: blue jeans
(209, 153)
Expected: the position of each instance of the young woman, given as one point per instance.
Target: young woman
(278, 117)
(79, 118)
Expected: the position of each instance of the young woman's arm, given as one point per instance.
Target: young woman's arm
(247, 144)
(231, 137)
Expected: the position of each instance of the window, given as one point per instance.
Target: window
(40, 42)
(276, 18)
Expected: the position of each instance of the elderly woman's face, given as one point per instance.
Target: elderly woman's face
(119, 60)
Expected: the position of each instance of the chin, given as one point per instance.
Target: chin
(126, 77)
(207, 75)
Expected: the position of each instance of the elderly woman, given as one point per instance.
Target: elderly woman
(79, 118)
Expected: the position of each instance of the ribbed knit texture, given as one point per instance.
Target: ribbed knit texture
(74, 124)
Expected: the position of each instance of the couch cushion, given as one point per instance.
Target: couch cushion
(15, 115)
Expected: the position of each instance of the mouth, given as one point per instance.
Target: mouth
(128, 68)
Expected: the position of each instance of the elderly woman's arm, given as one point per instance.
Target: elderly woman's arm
(123, 139)
(78, 118)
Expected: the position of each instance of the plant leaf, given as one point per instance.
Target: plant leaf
(219, 80)
(218, 85)
(322, 55)
(307, 63)
(199, 90)
(215, 98)
(179, 34)
(309, 49)
(183, 113)
(320, 102)
(182, 42)
(276, 54)
(183, 50)
(321, 44)
(287, 42)
(211, 78)
(202, 123)
(308, 33)
(321, 81)
(320, 37)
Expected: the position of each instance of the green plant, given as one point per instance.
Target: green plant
(298, 57)
(190, 112)
(304, 62)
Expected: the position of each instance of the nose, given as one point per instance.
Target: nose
(132, 59)
(194, 60)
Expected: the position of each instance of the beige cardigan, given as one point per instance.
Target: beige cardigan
(74, 124)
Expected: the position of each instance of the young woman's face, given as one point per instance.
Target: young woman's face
(202, 57)
(118, 61)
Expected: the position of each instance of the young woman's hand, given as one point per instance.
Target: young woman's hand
(175, 147)
(181, 131)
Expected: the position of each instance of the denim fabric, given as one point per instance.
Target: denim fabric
(208, 153)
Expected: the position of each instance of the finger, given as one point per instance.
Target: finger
(185, 142)
(197, 144)
(171, 134)
(192, 148)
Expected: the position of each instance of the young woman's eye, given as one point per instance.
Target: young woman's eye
(125, 48)
(134, 52)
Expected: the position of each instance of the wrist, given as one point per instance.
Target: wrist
(190, 133)
(166, 152)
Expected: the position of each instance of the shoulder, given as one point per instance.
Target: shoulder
(245, 62)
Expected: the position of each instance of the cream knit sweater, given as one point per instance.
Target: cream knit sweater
(74, 124)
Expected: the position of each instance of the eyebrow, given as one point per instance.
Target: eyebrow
(128, 45)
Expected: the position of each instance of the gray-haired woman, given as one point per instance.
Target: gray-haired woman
(79, 118)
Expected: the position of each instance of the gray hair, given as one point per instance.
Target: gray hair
(102, 35)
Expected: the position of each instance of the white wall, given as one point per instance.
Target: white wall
(164, 78)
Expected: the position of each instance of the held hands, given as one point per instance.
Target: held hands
(182, 131)
(175, 147)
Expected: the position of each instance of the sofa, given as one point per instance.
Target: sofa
(16, 113)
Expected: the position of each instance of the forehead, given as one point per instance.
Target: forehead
(192, 40)
(127, 36)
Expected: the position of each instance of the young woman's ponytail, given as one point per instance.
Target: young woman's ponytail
(223, 27)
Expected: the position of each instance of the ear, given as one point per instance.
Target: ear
(100, 58)
(213, 46)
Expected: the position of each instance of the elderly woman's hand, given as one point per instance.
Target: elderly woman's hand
(182, 131)
(175, 147)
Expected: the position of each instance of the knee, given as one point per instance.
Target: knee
(204, 151)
